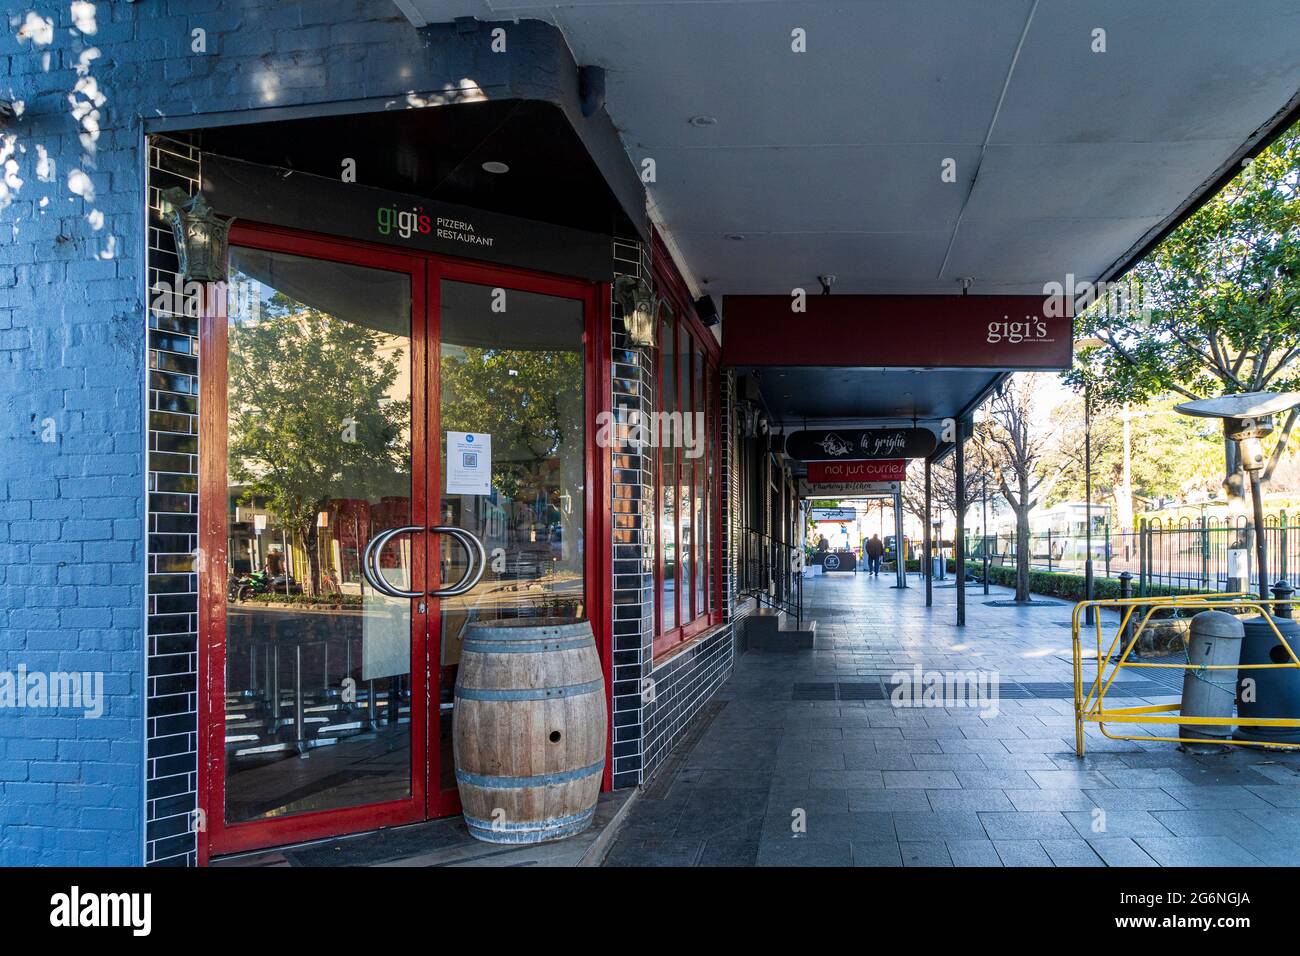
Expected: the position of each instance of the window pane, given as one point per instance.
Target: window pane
(318, 666)
(685, 498)
(699, 464)
(667, 481)
(710, 490)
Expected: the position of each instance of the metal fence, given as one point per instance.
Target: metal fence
(1190, 552)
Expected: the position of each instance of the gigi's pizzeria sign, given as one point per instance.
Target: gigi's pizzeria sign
(258, 193)
(854, 444)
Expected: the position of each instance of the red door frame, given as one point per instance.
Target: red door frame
(426, 272)
(596, 543)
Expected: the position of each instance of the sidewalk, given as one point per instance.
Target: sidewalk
(809, 740)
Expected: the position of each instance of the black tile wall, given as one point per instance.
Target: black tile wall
(633, 534)
(654, 702)
(171, 649)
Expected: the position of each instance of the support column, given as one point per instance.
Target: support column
(900, 560)
(959, 542)
(929, 585)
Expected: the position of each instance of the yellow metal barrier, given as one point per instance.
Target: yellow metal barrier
(1091, 707)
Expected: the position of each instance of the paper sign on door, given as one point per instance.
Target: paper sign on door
(469, 463)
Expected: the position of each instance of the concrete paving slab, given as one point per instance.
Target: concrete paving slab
(881, 785)
(1197, 851)
(1021, 853)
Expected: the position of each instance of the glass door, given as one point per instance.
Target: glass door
(395, 446)
(513, 460)
(316, 508)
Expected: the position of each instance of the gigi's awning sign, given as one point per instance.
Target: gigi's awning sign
(897, 331)
(851, 444)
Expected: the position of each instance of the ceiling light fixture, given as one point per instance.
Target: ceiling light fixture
(492, 166)
(703, 121)
(734, 237)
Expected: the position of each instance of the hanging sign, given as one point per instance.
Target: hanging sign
(469, 463)
(851, 444)
(885, 469)
(846, 489)
(864, 331)
(834, 514)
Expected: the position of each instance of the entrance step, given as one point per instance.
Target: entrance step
(769, 630)
(447, 842)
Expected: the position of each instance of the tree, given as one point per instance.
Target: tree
(943, 485)
(1215, 308)
(1016, 449)
(1172, 455)
(313, 417)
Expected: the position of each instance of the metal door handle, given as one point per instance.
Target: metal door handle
(370, 562)
(475, 567)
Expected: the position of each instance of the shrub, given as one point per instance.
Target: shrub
(1059, 584)
(1071, 586)
(914, 564)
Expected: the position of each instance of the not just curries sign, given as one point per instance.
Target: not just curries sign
(885, 469)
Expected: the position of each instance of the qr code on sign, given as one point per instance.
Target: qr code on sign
(469, 459)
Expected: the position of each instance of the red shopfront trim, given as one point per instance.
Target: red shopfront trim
(426, 272)
(668, 280)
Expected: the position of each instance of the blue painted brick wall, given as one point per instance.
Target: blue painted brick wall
(71, 550)
(72, 351)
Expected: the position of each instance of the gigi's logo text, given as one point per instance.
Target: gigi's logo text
(1030, 330)
(407, 222)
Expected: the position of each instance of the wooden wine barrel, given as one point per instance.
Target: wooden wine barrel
(529, 729)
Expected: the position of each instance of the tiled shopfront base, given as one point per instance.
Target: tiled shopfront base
(682, 684)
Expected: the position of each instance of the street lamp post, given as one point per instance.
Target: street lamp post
(1087, 502)
(1088, 612)
(1248, 417)
(984, 522)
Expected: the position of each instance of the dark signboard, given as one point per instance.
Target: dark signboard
(315, 204)
(993, 332)
(858, 443)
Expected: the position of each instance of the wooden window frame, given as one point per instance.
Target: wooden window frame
(700, 342)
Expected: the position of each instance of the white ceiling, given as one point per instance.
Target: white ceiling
(829, 161)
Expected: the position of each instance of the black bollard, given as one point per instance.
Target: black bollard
(1282, 591)
(1126, 591)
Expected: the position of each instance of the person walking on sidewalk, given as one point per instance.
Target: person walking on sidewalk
(875, 549)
